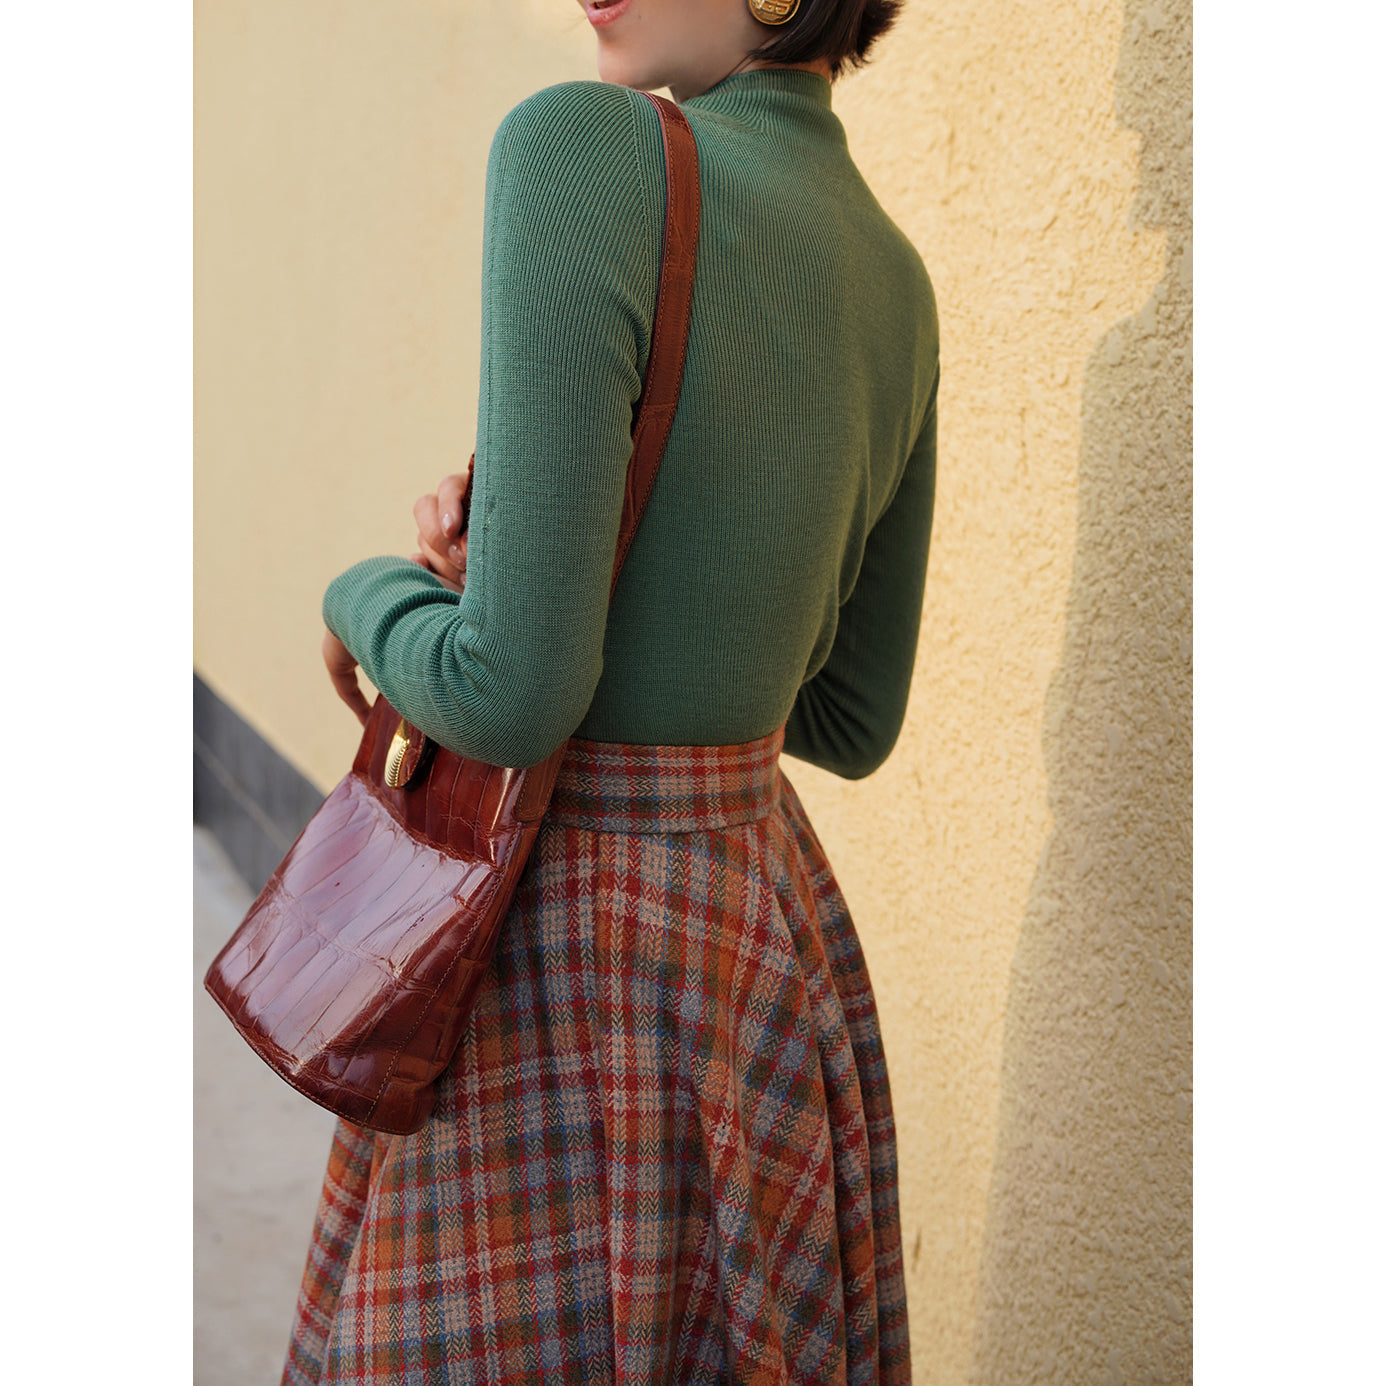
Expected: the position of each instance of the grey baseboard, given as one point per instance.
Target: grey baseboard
(252, 800)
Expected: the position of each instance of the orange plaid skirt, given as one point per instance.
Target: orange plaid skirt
(664, 1152)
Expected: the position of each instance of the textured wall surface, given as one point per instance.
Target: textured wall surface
(1020, 869)
(1087, 1250)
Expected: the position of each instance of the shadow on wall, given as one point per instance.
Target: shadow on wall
(1086, 1261)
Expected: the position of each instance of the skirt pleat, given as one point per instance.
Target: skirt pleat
(664, 1152)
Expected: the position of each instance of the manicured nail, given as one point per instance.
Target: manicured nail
(447, 520)
(459, 558)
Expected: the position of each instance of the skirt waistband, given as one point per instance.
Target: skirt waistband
(608, 786)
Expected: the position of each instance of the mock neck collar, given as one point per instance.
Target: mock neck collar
(748, 88)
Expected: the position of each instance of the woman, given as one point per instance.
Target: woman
(665, 1150)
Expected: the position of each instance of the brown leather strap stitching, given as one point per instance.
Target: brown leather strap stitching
(659, 398)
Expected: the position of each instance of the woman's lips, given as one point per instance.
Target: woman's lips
(602, 12)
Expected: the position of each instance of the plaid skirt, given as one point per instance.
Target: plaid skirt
(664, 1152)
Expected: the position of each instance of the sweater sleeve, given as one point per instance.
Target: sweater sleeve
(574, 216)
(847, 717)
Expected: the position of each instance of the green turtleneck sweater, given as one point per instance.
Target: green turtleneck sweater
(778, 573)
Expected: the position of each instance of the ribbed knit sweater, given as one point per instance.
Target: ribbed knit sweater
(778, 572)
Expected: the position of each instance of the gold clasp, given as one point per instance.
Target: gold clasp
(394, 758)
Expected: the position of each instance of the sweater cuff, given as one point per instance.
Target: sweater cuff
(351, 597)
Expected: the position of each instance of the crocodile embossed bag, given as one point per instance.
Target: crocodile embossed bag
(354, 971)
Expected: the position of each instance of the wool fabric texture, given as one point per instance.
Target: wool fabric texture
(778, 572)
(665, 1151)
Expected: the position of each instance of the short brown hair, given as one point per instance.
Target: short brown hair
(840, 30)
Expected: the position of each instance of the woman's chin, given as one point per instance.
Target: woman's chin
(617, 69)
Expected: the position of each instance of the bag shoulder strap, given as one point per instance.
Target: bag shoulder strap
(659, 397)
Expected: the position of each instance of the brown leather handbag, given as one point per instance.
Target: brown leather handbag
(354, 971)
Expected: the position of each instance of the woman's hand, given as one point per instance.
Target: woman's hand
(341, 669)
(443, 550)
(442, 539)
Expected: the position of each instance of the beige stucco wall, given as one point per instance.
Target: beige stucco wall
(1020, 869)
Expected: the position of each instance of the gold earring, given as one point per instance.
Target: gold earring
(773, 11)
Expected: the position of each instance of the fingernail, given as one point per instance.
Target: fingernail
(447, 520)
(458, 557)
